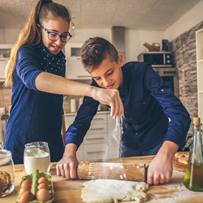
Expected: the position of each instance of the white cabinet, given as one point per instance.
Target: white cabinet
(74, 67)
(98, 142)
(5, 50)
(199, 53)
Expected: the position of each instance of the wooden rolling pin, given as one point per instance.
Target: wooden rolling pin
(109, 170)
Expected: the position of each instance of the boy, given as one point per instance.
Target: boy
(155, 121)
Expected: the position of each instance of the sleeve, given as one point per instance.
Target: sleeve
(28, 66)
(179, 119)
(76, 132)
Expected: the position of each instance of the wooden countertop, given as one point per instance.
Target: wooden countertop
(69, 191)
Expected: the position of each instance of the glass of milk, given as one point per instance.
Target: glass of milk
(36, 157)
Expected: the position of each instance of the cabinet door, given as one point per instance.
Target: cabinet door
(80, 153)
(3, 63)
(75, 70)
(69, 120)
(5, 50)
(95, 151)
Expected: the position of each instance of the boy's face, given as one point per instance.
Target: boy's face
(108, 74)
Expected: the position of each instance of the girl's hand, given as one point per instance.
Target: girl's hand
(109, 97)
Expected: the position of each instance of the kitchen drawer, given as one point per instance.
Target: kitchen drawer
(99, 118)
(98, 128)
(95, 151)
(80, 153)
(69, 120)
(95, 138)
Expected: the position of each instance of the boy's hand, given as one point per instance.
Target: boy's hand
(67, 167)
(160, 170)
(110, 97)
(161, 167)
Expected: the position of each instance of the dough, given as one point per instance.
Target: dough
(182, 158)
(109, 191)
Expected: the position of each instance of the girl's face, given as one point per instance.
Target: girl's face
(54, 33)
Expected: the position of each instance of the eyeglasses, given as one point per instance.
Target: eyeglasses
(54, 36)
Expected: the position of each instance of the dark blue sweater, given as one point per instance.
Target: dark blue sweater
(152, 112)
(35, 115)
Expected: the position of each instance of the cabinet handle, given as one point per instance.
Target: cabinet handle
(95, 138)
(98, 119)
(93, 129)
(99, 152)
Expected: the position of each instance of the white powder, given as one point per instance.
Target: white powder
(118, 130)
(102, 190)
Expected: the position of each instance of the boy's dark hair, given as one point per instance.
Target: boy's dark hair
(95, 50)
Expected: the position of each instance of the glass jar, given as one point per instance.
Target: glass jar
(36, 157)
(193, 177)
(6, 173)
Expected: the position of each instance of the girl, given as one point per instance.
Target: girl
(36, 71)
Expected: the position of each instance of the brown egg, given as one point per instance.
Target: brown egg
(42, 180)
(22, 190)
(25, 197)
(26, 184)
(43, 195)
(43, 185)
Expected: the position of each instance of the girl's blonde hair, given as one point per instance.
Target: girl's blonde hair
(31, 33)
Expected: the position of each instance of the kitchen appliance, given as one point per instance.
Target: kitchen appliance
(169, 77)
(72, 51)
(161, 59)
(162, 63)
(166, 45)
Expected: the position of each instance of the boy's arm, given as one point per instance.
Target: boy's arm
(179, 119)
(67, 166)
(160, 169)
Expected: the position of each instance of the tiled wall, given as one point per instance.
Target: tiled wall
(184, 48)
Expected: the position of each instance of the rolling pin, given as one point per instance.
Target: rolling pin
(112, 170)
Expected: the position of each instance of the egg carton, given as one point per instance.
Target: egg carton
(36, 188)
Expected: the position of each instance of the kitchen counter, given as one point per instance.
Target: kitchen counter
(69, 191)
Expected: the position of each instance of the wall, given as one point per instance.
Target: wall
(136, 38)
(186, 22)
(8, 36)
(184, 47)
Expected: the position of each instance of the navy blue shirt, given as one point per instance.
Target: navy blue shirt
(152, 113)
(35, 115)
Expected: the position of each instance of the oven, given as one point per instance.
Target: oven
(169, 77)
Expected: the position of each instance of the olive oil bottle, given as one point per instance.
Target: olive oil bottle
(193, 177)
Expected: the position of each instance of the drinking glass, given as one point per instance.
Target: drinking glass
(6, 173)
(36, 157)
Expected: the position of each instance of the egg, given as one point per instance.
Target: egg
(26, 184)
(42, 180)
(43, 185)
(25, 197)
(43, 195)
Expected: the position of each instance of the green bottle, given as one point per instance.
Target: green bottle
(193, 177)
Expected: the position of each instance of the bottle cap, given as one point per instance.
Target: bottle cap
(196, 121)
